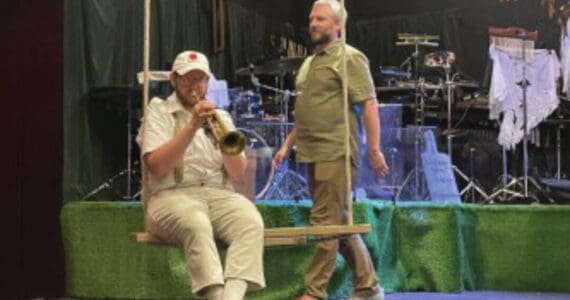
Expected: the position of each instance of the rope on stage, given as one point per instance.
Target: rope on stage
(346, 107)
(146, 80)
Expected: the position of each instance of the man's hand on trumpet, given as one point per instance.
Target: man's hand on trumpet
(215, 126)
(203, 115)
(201, 111)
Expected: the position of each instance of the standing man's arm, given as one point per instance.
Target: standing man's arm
(372, 126)
(286, 147)
(361, 89)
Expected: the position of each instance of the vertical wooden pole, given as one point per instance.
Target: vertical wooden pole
(346, 101)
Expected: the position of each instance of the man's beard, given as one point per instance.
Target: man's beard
(185, 101)
(323, 39)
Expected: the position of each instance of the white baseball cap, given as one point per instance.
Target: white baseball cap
(190, 60)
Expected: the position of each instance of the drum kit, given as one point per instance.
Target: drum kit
(263, 112)
(408, 79)
(269, 115)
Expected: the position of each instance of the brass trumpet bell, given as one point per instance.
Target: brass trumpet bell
(232, 143)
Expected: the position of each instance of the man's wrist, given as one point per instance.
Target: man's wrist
(193, 126)
(373, 149)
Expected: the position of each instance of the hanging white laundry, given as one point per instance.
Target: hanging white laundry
(506, 94)
(565, 57)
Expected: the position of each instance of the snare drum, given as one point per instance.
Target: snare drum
(252, 103)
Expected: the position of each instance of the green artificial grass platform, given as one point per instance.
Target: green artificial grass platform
(415, 246)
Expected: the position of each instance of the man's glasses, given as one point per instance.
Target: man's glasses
(190, 81)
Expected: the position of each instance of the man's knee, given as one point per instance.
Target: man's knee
(195, 227)
(251, 225)
(255, 222)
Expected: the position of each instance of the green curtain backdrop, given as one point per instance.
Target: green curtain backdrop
(103, 47)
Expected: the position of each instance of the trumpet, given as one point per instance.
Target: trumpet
(230, 142)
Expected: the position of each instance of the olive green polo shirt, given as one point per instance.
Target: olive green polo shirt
(319, 117)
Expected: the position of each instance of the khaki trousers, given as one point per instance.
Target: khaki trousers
(194, 216)
(327, 182)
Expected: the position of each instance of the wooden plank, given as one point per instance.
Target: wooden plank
(145, 237)
(283, 236)
(317, 230)
(285, 241)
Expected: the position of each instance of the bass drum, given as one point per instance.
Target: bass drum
(260, 171)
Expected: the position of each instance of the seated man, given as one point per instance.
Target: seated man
(191, 200)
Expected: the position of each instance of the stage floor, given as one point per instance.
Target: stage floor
(480, 295)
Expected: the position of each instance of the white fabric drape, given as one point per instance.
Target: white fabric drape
(506, 93)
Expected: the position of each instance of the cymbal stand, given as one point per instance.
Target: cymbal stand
(472, 185)
(129, 149)
(561, 124)
(419, 97)
(105, 185)
(129, 170)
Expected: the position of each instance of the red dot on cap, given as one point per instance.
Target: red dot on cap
(193, 56)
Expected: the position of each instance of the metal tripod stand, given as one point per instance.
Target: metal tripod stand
(420, 191)
(129, 171)
(472, 186)
(523, 183)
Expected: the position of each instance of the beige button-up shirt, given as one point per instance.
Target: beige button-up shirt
(202, 162)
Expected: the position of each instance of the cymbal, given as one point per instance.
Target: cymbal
(119, 97)
(408, 86)
(467, 84)
(453, 131)
(412, 36)
(278, 66)
(382, 89)
(425, 85)
(424, 40)
(418, 42)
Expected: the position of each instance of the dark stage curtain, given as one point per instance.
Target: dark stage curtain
(250, 36)
(103, 48)
(462, 26)
(377, 37)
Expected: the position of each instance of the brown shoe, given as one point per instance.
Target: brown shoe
(379, 295)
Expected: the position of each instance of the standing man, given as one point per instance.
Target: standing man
(192, 200)
(319, 136)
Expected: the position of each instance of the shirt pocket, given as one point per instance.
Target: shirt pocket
(323, 81)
